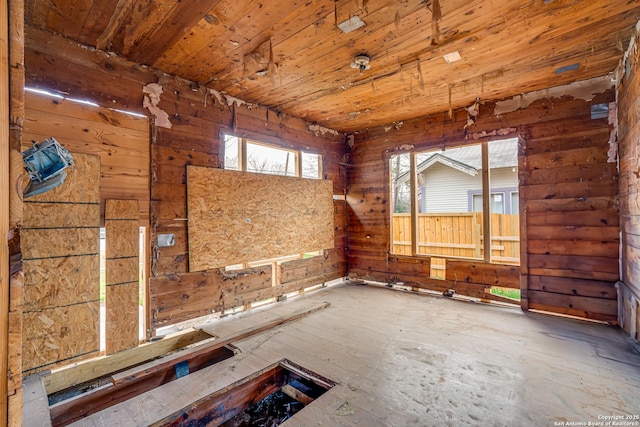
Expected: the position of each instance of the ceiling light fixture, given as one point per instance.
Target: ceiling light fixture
(452, 57)
(361, 62)
(351, 24)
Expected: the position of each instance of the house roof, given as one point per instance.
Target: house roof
(468, 159)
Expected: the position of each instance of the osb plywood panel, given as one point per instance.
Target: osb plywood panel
(62, 269)
(60, 281)
(121, 317)
(77, 188)
(237, 217)
(59, 242)
(49, 215)
(122, 238)
(122, 294)
(60, 333)
(122, 209)
(122, 270)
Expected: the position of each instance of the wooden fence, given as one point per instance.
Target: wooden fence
(459, 235)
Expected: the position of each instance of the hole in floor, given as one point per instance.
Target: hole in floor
(266, 398)
(79, 401)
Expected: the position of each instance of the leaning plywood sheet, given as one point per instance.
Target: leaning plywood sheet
(60, 246)
(237, 217)
(122, 218)
(60, 334)
(75, 279)
(121, 328)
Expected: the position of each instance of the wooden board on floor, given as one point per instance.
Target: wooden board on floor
(95, 368)
(122, 288)
(248, 217)
(277, 319)
(36, 402)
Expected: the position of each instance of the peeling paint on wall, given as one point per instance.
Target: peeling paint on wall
(394, 125)
(219, 97)
(317, 130)
(495, 132)
(228, 101)
(238, 102)
(472, 113)
(150, 102)
(586, 90)
(351, 140)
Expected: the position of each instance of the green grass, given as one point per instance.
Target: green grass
(506, 292)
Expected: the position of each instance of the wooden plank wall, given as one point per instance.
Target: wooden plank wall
(122, 222)
(198, 123)
(629, 146)
(121, 140)
(60, 238)
(568, 193)
(194, 139)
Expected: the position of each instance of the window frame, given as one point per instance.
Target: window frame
(242, 156)
(487, 192)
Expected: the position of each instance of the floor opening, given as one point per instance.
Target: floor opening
(266, 398)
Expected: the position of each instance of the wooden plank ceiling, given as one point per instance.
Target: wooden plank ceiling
(291, 55)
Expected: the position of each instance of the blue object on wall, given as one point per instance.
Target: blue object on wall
(45, 163)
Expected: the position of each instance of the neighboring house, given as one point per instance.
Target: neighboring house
(451, 180)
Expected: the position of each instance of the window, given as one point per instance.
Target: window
(499, 202)
(231, 152)
(515, 203)
(254, 156)
(441, 193)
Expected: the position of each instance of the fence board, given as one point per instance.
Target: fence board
(458, 235)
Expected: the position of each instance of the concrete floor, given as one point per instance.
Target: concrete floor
(402, 359)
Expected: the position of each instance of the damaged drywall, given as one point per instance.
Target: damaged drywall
(586, 90)
(150, 102)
